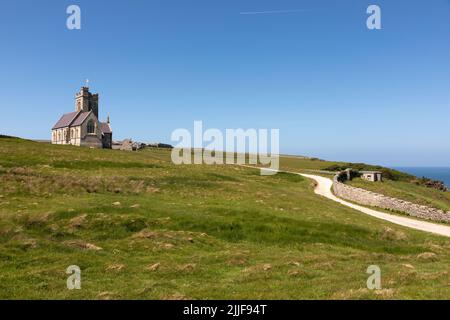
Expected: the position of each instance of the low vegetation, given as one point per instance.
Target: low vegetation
(292, 163)
(407, 190)
(396, 184)
(140, 227)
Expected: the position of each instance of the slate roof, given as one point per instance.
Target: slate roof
(77, 118)
(66, 120)
(105, 127)
(80, 119)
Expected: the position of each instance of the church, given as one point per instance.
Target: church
(82, 127)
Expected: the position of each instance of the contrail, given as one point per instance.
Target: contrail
(271, 11)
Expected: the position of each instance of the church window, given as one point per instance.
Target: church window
(91, 127)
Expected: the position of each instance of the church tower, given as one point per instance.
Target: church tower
(83, 127)
(86, 101)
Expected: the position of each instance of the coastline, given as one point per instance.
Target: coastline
(435, 173)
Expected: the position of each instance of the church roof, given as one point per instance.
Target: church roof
(81, 118)
(77, 118)
(72, 119)
(105, 127)
(66, 120)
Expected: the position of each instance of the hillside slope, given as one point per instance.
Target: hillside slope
(140, 227)
(395, 184)
(408, 191)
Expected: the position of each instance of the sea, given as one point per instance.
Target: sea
(435, 173)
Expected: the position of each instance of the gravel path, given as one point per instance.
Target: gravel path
(324, 189)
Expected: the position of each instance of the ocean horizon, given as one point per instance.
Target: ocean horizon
(435, 173)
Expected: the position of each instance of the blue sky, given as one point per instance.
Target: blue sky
(335, 89)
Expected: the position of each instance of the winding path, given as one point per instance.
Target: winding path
(324, 189)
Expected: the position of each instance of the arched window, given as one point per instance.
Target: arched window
(91, 127)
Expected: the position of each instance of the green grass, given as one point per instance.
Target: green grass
(296, 164)
(396, 184)
(215, 232)
(408, 191)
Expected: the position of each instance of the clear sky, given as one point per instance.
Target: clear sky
(312, 69)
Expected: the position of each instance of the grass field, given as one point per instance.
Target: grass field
(407, 191)
(396, 184)
(140, 227)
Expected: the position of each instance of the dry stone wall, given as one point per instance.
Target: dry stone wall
(373, 199)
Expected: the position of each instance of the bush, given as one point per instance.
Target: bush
(389, 174)
(429, 183)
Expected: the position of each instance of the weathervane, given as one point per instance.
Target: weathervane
(87, 83)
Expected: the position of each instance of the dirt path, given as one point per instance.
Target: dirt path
(324, 189)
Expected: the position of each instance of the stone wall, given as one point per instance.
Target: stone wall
(92, 141)
(373, 199)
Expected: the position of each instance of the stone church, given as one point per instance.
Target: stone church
(82, 127)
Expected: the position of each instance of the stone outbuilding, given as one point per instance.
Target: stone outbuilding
(127, 145)
(372, 176)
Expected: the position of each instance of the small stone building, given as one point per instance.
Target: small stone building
(127, 145)
(82, 127)
(372, 176)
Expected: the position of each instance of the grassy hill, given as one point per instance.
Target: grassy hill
(396, 184)
(295, 164)
(140, 227)
(407, 190)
